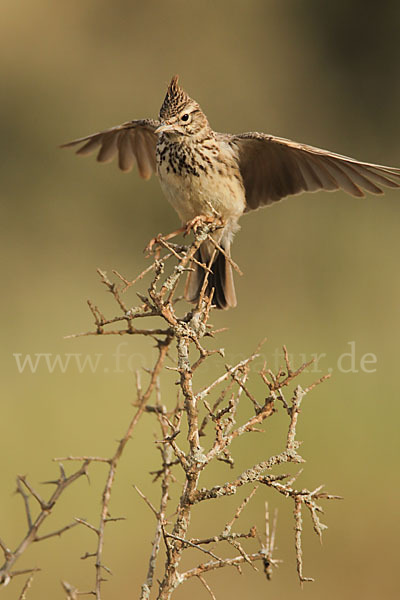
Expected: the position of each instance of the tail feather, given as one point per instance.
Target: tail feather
(220, 279)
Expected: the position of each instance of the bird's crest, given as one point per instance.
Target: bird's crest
(175, 100)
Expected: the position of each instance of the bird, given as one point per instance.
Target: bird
(204, 173)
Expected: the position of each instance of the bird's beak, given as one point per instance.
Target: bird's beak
(164, 128)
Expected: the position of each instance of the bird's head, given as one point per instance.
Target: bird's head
(180, 115)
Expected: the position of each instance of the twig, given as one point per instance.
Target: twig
(211, 414)
(46, 509)
(26, 587)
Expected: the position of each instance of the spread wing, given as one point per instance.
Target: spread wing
(134, 141)
(274, 167)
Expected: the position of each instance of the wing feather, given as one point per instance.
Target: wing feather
(90, 146)
(144, 165)
(133, 141)
(273, 168)
(344, 180)
(327, 179)
(311, 181)
(109, 146)
(126, 157)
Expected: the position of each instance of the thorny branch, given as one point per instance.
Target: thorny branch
(28, 492)
(209, 413)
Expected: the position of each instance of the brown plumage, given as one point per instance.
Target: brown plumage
(202, 171)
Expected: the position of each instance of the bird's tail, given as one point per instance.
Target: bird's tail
(220, 279)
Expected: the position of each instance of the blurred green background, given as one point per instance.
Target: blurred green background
(321, 271)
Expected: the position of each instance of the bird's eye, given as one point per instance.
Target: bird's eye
(185, 118)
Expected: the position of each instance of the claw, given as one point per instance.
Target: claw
(156, 240)
(195, 223)
(191, 225)
(149, 248)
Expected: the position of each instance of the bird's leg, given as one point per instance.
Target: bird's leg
(160, 236)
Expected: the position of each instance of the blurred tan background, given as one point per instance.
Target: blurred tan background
(321, 271)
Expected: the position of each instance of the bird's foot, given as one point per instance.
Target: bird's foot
(200, 220)
(192, 225)
(156, 241)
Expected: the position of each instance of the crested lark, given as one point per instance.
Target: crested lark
(203, 172)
